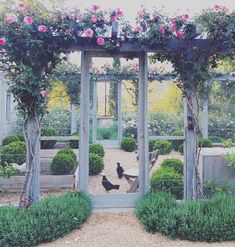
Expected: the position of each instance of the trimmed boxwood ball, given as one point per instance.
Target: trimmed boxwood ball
(164, 146)
(62, 164)
(96, 164)
(128, 144)
(176, 164)
(68, 151)
(9, 139)
(181, 148)
(96, 149)
(14, 152)
(47, 220)
(48, 131)
(74, 143)
(196, 220)
(176, 143)
(204, 142)
(166, 179)
(151, 145)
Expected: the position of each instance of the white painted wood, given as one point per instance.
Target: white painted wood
(205, 116)
(119, 101)
(94, 112)
(166, 137)
(102, 53)
(115, 200)
(142, 125)
(59, 138)
(74, 122)
(84, 124)
(189, 148)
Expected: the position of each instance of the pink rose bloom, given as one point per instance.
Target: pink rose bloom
(141, 14)
(138, 28)
(28, 20)
(100, 41)
(23, 7)
(172, 27)
(95, 7)
(179, 35)
(44, 93)
(89, 33)
(2, 41)
(67, 31)
(93, 19)
(119, 13)
(11, 18)
(216, 7)
(80, 16)
(162, 29)
(185, 17)
(42, 28)
(113, 18)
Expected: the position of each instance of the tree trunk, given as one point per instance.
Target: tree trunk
(31, 190)
(74, 122)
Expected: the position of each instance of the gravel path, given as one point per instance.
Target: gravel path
(120, 230)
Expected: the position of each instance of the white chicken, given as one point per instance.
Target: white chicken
(21, 168)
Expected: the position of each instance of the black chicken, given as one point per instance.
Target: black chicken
(108, 185)
(119, 170)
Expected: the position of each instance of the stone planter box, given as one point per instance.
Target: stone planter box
(213, 165)
(47, 182)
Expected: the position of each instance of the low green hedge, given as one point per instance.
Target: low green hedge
(176, 164)
(9, 139)
(151, 145)
(128, 144)
(181, 148)
(62, 164)
(177, 143)
(74, 143)
(96, 164)
(48, 131)
(14, 152)
(164, 146)
(204, 142)
(68, 151)
(96, 149)
(201, 220)
(49, 219)
(166, 179)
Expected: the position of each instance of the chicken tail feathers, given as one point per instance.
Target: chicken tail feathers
(116, 187)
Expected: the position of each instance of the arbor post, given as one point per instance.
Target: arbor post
(190, 144)
(205, 116)
(142, 125)
(84, 124)
(73, 118)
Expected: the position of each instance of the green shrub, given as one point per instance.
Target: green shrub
(156, 212)
(21, 137)
(49, 219)
(204, 142)
(128, 144)
(96, 164)
(14, 152)
(166, 179)
(96, 149)
(74, 143)
(106, 134)
(68, 151)
(201, 220)
(62, 164)
(216, 139)
(230, 158)
(151, 145)
(48, 131)
(176, 143)
(163, 146)
(176, 164)
(181, 148)
(9, 139)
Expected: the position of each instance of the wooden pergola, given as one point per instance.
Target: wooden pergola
(131, 48)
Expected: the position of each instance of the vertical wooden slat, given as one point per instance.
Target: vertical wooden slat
(142, 124)
(73, 119)
(94, 120)
(119, 101)
(189, 146)
(205, 116)
(84, 124)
